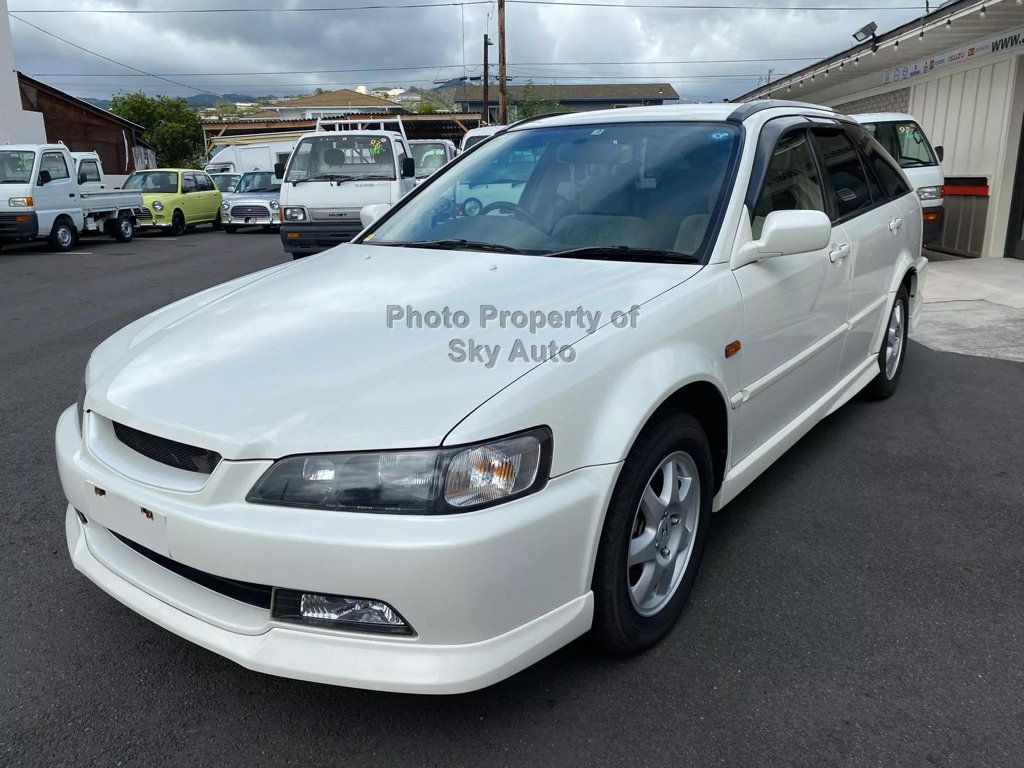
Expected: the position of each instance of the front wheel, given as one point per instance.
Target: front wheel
(653, 536)
(230, 229)
(63, 235)
(177, 224)
(892, 355)
(217, 223)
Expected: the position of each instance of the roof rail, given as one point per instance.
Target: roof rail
(360, 125)
(743, 111)
(533, 118)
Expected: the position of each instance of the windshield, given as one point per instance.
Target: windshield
(153, 182)
(262, 181)
(905, 141)
(337, 155)
(429, 157)
(642, 186)
(471, 141)
(225, 182)
(16, 166)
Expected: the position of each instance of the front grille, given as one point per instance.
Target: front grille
(339, 215)
(169, 452)
(250, 211)
(144, 215)
(254, 594)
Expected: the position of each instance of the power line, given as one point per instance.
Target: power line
(717, 7)
(107, 58)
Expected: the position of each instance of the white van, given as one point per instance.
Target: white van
(904, 139)
(332, 174)
(475, 136)
(239, 154)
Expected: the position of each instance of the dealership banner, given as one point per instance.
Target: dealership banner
(1007, 41)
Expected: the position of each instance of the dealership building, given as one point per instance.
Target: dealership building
(959, 71)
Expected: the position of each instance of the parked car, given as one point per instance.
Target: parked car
(225, 182)
(256, 152)
(905, 140)
(254, 202)
(176, 199)
(531, 447)
(331, 175)
(475, 136)
(45, 192)
(431, 155)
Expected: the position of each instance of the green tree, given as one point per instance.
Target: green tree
(530, 104)
(169, 125)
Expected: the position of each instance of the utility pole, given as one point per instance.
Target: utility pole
(485, 116)
(502, 98)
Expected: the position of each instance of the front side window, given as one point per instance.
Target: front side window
(337, 157)
(89, 171)
(258, 181)
(791, 182)
(203, 183)
(847, 181)
(429, 156)
(55, 165)
(905, 141)
(188, 183)
(16, 166)
(654, 186)
(153, 182)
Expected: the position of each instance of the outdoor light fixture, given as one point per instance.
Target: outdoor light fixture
(826, 71)
(982, 14)
(949, 20)
(921, 35)
(896, 45)
(856, 61)
(866, 32)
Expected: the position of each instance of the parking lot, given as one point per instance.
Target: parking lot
(861, 603)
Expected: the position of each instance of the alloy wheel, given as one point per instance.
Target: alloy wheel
(663, 533)
(894, 339)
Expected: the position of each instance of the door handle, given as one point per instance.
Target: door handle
(839, 252)
(895, 224)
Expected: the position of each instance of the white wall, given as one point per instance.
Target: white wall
(16, 125)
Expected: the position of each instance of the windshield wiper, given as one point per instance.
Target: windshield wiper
(453, 245)
(324, 177)
(623, 253)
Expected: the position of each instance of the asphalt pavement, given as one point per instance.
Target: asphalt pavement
(862, 603)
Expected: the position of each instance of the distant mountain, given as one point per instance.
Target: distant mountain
(199, 101)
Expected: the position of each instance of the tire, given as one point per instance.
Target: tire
(230, 228)
(177, 227)
(217, 222)
(123, 229)
(471, 203)
(625, 622)
(297, 256)
(894, 338)
(63, 235)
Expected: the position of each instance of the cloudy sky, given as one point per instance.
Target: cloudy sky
(394, 45)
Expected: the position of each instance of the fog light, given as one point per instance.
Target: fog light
(338, 612)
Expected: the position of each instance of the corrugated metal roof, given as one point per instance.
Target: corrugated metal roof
(574, 92)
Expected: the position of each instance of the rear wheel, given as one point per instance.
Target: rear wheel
(63, 235)
(653, 536)
(124, 228)
(892, 355)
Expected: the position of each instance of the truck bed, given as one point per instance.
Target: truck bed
(109, 200)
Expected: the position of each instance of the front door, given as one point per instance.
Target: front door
(59, 194)
(1015, 235)
(794, 307)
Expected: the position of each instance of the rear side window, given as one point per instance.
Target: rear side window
(791, 182)
(881, 164)
(89, 171)
(204, 183)
(188, 182)
(905, 141)
(847, 182)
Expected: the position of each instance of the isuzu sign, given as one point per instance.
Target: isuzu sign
(996, 44)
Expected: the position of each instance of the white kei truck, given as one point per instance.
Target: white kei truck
(47, 191)
(333, 174)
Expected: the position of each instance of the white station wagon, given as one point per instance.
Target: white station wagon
(424, 460)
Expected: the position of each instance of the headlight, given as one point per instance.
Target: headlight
(274, 204)
(929, 193)
(20, 202)
(294, 214)
(225, 205)
(433, 481)
(157, 205)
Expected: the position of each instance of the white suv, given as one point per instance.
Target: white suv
(425, 460)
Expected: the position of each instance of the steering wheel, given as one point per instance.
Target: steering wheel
(515, 209)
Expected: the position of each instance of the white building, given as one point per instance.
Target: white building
(16, 125)
(964, 82)
(331, 104)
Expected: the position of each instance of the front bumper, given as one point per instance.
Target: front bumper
(487, 593)
(309, 238)
(934, 220)
(18, 226)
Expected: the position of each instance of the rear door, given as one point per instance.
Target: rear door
(190, 201)
(794, 307)
(209, 195)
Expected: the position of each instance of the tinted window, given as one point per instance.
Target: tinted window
(89, 170)
(791, 182)
(153, 182)
(847, 181)
(204, 183)
(54, 163)
(881, 164)
(905, 141)
(188, 182)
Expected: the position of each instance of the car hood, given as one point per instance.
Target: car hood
(302, 358)
(235, 198)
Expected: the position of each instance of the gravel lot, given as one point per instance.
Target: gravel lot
(861, 604)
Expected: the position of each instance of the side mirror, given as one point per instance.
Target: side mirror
(82, 178)
(370, 213)
(408, 168)
(785, 233)
(44, 178)
(940, 153)
(279, 170)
